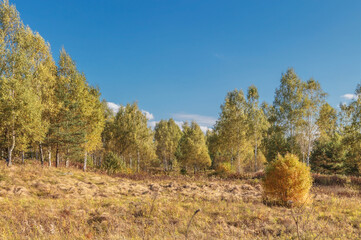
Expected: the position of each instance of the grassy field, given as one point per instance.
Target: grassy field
(42, 203)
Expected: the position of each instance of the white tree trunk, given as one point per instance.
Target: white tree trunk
(22, 157)
(67, 159)
(138, 160)
(85, 160)
(11, 148)
(49, 156)
(255, 156)
(308, 153)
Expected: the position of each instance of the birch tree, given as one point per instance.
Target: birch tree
(93, 117)
(313, 99)
(257, 121)
(232, 127)
(167, 136)
(20, 105)
(193, 151)
(132, 138)
(288, 106)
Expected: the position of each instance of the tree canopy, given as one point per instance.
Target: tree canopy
(50, 107)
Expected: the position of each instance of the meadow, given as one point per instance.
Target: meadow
(67, 203)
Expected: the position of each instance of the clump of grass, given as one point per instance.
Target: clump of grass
(2, 177)
(330, 180)
(146, 224)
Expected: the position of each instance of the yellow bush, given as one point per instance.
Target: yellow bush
(287, 180)
(223, 169)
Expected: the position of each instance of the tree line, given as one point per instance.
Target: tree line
(44, 107)
(49, 111)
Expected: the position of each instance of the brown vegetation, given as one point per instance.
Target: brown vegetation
(42, 203)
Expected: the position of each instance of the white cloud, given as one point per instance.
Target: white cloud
(152, 124)
(113, 106)
(204, 122)
(148, 115)
(349, 96)
(205, 129)
(201, 120)
(180, 124)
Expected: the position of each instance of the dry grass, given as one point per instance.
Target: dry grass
(42, 203)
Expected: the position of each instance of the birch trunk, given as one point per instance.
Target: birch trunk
(138, 160)
(67, 159)
(255, 156)
(85, 160)
(49, 156)
(11, 148)
(22, 157)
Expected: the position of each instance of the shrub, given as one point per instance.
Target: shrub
(287, 179)
(336, 180)
(355, 181)
(112, 163)
(329, 180)
(223, 169)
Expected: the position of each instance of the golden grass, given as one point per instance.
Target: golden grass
(42, 203)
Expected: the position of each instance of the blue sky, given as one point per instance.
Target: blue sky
(179, 58)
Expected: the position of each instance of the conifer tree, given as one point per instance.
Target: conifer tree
(328, 154)
(274, 141)
(214, 148)
(68, 130)
(351, 131)
(108, 138)
(326, 122)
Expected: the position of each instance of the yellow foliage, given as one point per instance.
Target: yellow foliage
(223, 169)
(287, 179)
